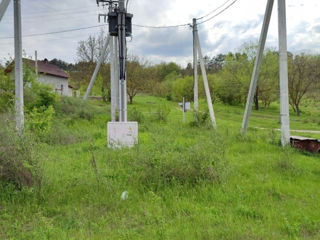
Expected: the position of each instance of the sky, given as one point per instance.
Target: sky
(239, 24)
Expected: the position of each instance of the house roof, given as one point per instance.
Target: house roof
(44, 67)
(48, 68)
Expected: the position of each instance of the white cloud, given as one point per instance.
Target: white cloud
(240, 23)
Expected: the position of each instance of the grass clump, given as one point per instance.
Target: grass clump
(75, 108)
(19, 162)
(136, 115)
(162, 113)
(200, 119)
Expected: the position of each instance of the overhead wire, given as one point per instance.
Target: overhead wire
(214, 10)
(219, 13)
(57, 32)
(136, 25)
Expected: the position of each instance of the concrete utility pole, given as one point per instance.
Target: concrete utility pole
(3, 7)
(36, 63)
(184, 110)
(206, 84)
(283, 64)
(114, 79)
(122, 60)
(257, 65)
(283, 75)
(195, 65)
(18, 67)
(94, 76)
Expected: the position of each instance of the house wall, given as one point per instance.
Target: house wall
(56, 83)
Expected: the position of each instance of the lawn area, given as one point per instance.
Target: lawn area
(183, 181)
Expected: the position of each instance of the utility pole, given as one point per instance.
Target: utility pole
(283, 64)
(94, 76)
(184, 110)
(18, 67)
(122, 60)
(36, 63)
(205, 82)
(3, 7)
(283, 75)
(257, 65)
(195, 65)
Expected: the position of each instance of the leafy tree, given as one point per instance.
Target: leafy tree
(303, 73)
(268, 85)
(233, 80)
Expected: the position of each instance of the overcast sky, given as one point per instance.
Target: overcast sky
(239, 24)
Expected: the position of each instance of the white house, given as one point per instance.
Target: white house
(51, 75)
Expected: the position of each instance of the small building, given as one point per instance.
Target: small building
(49, 74)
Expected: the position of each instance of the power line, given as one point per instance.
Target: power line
(213, 11)
(136, 25)
(172, 26)
(219, 13)
(57, 32)
(188, 24)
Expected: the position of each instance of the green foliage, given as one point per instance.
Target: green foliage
(162, 113)
(6, 92)
(183, 182)
(136, 115)
(233, 81)
(38, 95)
(39, 120)
(75, 108)
(183, 87)
(19, 161)
(201, 119)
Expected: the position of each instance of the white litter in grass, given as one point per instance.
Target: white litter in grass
(124, 195)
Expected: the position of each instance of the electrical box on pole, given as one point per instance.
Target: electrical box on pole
(123, 133)
(114, 26)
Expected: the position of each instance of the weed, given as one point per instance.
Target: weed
(19, 163)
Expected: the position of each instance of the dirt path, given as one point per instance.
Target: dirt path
(292, 130)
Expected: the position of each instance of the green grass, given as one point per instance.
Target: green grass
(183, 182)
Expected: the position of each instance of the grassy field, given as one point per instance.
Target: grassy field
(183, 181)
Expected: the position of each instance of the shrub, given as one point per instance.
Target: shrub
(162, 112)
(183, 87)
(6, 92)
(39, 95)
(18, 158)
(200, 119)
(76, 108)
(136, 115)
(164, 166)
(61, 134)
(39, 120)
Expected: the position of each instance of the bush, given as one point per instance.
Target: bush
(164, 166)
(183, 87)
(39, 120)
(39, 95)
(75, 108)
(162, 112)
(201, 119)
(61, 134)
(136, 115)
(18, 158)
(6, 92)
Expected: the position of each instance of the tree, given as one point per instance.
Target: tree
(137, 77)
(91, 49)
(268, 84)
(303, 73)
(233, 80)
(88, 53)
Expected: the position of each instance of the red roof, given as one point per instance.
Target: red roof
(44, 67)
(47, 68)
